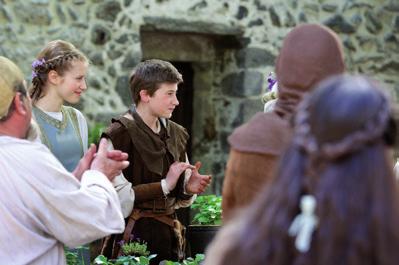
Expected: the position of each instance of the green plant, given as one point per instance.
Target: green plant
(135, 249)
(95, 132)
(189, 261)
(134, 253)
(71, 255)
(124, 260)
(208, 210)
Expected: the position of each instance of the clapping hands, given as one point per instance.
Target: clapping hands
(197, 182)
(109, 162)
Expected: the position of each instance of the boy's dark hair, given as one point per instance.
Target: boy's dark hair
(148, 75)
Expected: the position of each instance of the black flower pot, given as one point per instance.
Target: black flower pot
(199, 237)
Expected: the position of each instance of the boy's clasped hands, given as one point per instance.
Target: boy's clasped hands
(197, 183)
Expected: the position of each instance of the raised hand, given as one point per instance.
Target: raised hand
(175, 170)
(110, 163)
(85, 162)
(197, 182)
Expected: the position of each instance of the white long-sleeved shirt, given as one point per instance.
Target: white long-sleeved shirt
(43, 207)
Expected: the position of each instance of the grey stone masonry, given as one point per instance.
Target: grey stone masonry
(231, 46)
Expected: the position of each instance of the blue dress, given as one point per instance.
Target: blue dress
(65, 142)
(61, 137)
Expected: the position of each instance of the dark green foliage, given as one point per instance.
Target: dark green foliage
(208, 210)
(135, 249)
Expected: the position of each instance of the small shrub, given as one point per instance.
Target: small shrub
(135, 249)
(134, 253)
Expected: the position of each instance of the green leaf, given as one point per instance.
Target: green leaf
(208, 210)
(101, 260)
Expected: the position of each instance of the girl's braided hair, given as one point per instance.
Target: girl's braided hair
(378, 125)
(57, 55)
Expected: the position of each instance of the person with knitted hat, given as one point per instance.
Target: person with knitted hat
(310, 53)
(43, 206)
(335, 199)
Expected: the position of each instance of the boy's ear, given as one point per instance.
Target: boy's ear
(53, 77)
(144, 96)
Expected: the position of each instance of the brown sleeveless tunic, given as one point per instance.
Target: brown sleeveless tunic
(150, 157)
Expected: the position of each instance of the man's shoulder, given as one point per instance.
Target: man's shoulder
(27, 150)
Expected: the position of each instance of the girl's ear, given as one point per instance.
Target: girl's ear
(144, 96)
(53, 77)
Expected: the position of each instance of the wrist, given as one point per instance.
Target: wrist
(187, 192)
(165, 187)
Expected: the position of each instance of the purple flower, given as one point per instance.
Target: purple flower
(34, 74)
(271, 80)
(38, 62)
(121, 243)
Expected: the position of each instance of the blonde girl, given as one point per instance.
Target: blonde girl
(58, 77)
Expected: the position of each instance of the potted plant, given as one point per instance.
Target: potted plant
(207, 219)
(133, 253)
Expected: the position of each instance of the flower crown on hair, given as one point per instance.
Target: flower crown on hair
(271, 88)
(35, 64)
(271, 79)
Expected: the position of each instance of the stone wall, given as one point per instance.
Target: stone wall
(232, 46)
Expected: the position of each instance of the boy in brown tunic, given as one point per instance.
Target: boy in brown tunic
(161, 177)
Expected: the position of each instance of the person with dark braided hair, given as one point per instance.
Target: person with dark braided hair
(58, 76)
(334, 199)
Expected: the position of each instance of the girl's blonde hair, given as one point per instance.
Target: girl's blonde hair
(57, 55)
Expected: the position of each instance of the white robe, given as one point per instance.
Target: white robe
(43, 207)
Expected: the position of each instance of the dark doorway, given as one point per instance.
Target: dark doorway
(183, 114)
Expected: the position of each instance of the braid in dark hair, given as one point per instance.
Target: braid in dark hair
(371, 131)
(58, 56)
